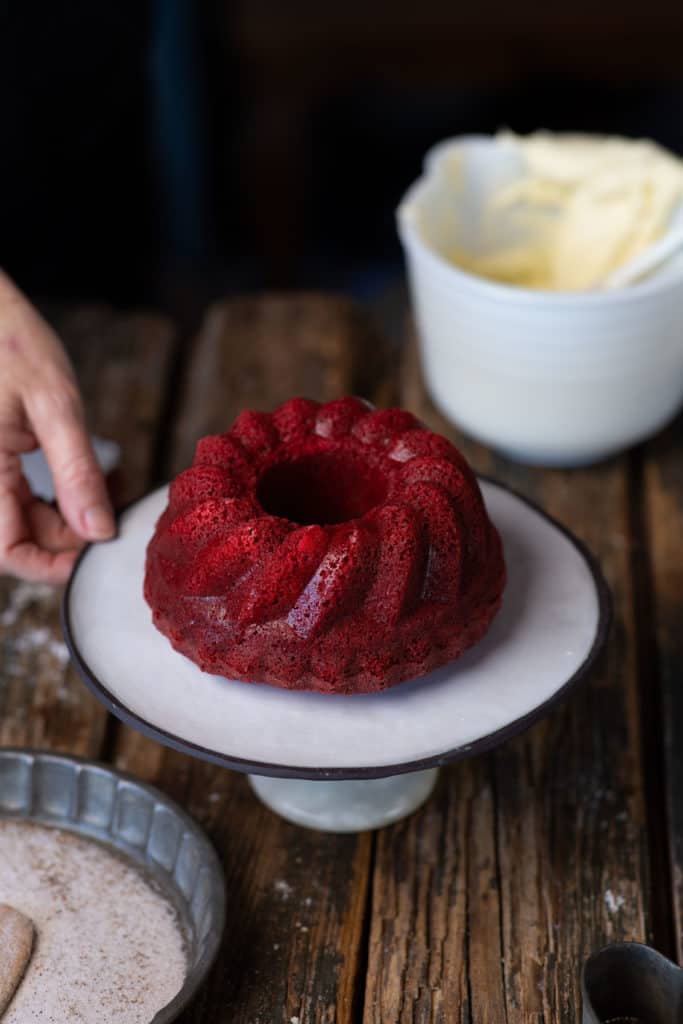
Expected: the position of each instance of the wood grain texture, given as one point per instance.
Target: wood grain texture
(255, 353)
(121, 362)
(296, 899)
(544, 840)
(663, 508)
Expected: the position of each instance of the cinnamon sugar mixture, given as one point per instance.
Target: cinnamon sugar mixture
(109, 949)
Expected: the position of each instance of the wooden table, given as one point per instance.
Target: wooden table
(482, 906)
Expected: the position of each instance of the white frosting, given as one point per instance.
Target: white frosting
(585, 205)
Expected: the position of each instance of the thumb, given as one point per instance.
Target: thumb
(58, 422)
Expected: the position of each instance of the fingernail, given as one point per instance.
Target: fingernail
(99, 523)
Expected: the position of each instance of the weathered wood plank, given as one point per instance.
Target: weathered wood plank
(663, 506)
(423, 919)
(255, 353)
(547, 853)
(296, 899)
(122, 363)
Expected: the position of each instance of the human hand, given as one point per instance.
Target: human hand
(40, 407)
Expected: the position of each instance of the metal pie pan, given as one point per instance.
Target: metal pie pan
(137, 822)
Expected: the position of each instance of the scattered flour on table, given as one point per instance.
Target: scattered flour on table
(21, 597)
(614, 903)
(109, 949)
(40, 639)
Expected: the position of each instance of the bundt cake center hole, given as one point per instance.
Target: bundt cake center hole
(325, 488)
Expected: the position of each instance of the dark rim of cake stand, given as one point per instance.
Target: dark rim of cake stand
(282, 771)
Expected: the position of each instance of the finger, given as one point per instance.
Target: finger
(49, 530)
(82, 495)
(20, 555)
(29, 562)
(17, 439)
(11, 478)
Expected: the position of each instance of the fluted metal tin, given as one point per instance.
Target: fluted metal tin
(139, 823)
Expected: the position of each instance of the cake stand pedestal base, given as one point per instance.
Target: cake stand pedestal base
(551, 626)
(350, 805)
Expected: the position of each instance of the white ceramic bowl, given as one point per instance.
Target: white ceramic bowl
(554, 378)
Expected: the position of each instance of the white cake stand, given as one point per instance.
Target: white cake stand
(344, 763)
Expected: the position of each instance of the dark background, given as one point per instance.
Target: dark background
(167, 152)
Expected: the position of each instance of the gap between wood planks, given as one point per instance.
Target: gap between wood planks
(359, 995)
(162, 448)
(662, 893)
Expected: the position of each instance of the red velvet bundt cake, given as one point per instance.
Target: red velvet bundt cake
(325, 547)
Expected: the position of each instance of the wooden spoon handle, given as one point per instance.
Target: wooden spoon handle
(16, 945)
